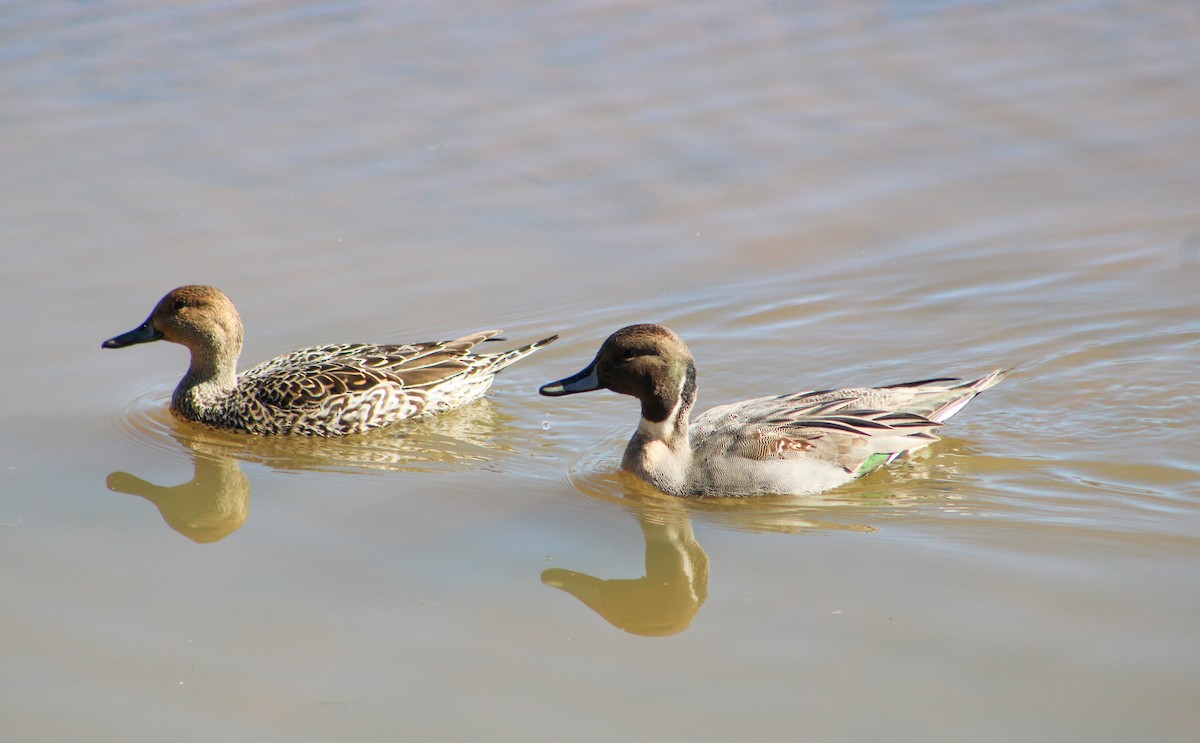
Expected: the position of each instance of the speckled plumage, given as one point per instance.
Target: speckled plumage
(805, 442)
(326, 391)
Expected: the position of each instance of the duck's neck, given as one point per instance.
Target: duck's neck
(210, 378)
(660, 451)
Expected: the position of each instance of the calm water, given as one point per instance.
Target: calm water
(810, 195)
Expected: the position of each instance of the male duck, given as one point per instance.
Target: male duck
(327, 391)
(802, 443)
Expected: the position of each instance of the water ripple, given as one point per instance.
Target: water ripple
(475, 434)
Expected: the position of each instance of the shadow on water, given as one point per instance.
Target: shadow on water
(216, 501)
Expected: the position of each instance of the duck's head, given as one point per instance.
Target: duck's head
(199, 317)
(648, 362)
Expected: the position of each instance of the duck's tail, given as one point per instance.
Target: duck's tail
(939, 399)
(498, 361)
(468, 342)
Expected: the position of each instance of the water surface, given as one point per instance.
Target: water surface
(810, 195)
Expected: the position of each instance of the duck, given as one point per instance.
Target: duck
(327, 391)
(801, 443)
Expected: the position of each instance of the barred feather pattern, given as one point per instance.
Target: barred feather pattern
(351, 388)
(847, 427)
(804, 442)
(326, 391)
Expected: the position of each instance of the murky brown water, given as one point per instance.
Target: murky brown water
(809, 196)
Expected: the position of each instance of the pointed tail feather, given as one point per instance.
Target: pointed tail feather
(968, 392)
(468, 342)
(506, 358)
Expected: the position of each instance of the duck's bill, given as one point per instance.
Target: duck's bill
(584, 381)
(144, 333)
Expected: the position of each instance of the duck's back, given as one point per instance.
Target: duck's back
(812, 441)
(789, 445)
(350, 388)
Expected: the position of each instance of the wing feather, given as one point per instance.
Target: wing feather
(308, 378)
(823, 427)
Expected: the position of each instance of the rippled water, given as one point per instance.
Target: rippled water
(810, 195)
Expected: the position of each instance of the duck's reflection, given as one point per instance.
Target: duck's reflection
(664, 600)
(216, 501)
(667, 598)
(207, 508)
(455, 439)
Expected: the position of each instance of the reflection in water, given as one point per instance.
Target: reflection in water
(667, 597)
(926, 475)
(458, 438)
(208, 508)
(216, 501)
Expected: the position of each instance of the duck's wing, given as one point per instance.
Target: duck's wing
(935, 399)
(857, 429)
(310, 377)
(830, 429)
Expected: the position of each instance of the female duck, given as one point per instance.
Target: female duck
(802, 443)
(327, 391)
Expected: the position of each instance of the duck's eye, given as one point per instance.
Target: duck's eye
(179, 305)
(629, 354)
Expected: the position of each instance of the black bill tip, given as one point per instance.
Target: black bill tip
(144, 333)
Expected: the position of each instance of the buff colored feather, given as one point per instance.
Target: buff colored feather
(326, 391)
